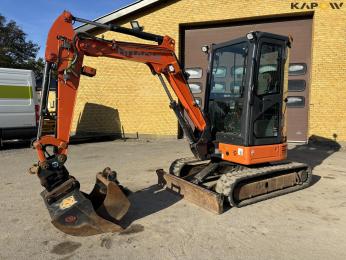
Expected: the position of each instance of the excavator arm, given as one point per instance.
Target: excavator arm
(71, 210)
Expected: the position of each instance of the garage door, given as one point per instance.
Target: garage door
(195, 63)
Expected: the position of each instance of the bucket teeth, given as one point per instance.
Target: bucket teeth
(80, 214)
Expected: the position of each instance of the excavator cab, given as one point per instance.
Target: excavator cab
(245, 104)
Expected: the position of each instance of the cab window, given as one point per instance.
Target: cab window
(268, 80)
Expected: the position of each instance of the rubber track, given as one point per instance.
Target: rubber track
(229, 181)
(178, 164)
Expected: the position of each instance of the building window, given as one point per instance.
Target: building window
(296, 69)
(235, 88)
(194, 73)
(296, 85)
(195, 88)
(198, 102)
(237, 72)
(218, 87)
(219, 72)
(295, 101)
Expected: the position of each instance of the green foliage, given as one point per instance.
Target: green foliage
(16, 51)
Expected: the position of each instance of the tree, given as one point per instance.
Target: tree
(16, 51)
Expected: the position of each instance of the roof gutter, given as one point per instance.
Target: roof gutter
(117, 14)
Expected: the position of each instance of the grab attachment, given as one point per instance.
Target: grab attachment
(78, 214)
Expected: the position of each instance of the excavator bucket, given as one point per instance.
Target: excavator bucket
(80, 214)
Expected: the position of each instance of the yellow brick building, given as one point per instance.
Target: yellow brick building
(133, 99)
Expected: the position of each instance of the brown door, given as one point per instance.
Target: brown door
(195, 63)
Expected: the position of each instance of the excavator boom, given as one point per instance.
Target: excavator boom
(66, 49)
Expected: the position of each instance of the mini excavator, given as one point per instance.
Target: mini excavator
(238, 138)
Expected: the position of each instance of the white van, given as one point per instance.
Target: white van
(19, 110)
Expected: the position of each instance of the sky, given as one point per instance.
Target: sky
(36, 16)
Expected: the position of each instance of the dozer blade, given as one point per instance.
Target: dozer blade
(78, 214)
(197, 195)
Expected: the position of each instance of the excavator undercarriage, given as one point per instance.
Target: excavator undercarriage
(240, 185)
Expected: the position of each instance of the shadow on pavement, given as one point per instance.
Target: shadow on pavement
(22, 144)
(314, 153)
(17, 144)
(148, 201)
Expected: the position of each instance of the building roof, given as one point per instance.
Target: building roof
(126, 10)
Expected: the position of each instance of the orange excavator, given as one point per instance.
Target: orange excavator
(238, 138)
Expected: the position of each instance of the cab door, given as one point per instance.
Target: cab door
(267, 94)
